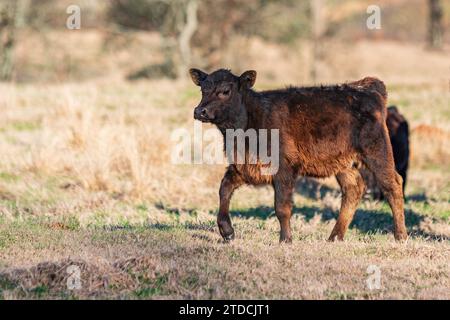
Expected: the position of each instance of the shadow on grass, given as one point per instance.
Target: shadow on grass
(418, 197)
(366, 221)
(202, 226)
(313, 189)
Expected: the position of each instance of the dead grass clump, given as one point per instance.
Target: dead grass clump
(438, 229)
(142, 267)
(6, 195)
(55, 278)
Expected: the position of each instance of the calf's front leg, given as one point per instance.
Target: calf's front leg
(230, 182)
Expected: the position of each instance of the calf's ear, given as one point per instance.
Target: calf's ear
(197, 76)
(247, 79)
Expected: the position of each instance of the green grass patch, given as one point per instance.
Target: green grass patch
(40, 291)
(152, 288)
(9, 177)
(25, 126)
(5, 285)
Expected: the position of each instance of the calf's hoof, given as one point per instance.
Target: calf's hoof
(226, 231)
(335, 237)
(401, 236)
(285, 239)
(229, 237)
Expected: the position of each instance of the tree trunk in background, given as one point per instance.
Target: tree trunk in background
(7, 39)
(12, 15)
(184, 39)
(435, 24)
(318, 29)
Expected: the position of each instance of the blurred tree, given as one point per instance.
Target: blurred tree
(177, 22)
(12, 15)
(318, 30)
(187, 30)
(149, 15)
(7, 38)
(220, 20)
(205, 27)
(435, 24)
(281, 21)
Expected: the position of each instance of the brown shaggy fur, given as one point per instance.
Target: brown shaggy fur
(324, 131)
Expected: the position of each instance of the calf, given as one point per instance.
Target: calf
(399, 134)
(323, 131)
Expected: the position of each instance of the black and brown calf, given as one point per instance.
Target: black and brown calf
(399, 134)
(323, 131)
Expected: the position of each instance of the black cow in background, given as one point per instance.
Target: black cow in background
(399, 134)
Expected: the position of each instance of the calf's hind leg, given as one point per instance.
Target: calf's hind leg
(284, 188)
(379, 159)
(390, 183)
(352, 187)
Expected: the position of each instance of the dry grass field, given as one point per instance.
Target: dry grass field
(86, 180)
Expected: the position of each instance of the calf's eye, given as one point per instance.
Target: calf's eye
(224, 94)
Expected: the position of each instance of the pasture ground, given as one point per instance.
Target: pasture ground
(86, 180)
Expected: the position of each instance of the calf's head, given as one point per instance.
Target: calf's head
(394, 120)
(222, 97)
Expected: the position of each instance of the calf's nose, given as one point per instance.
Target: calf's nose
(200, 113)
